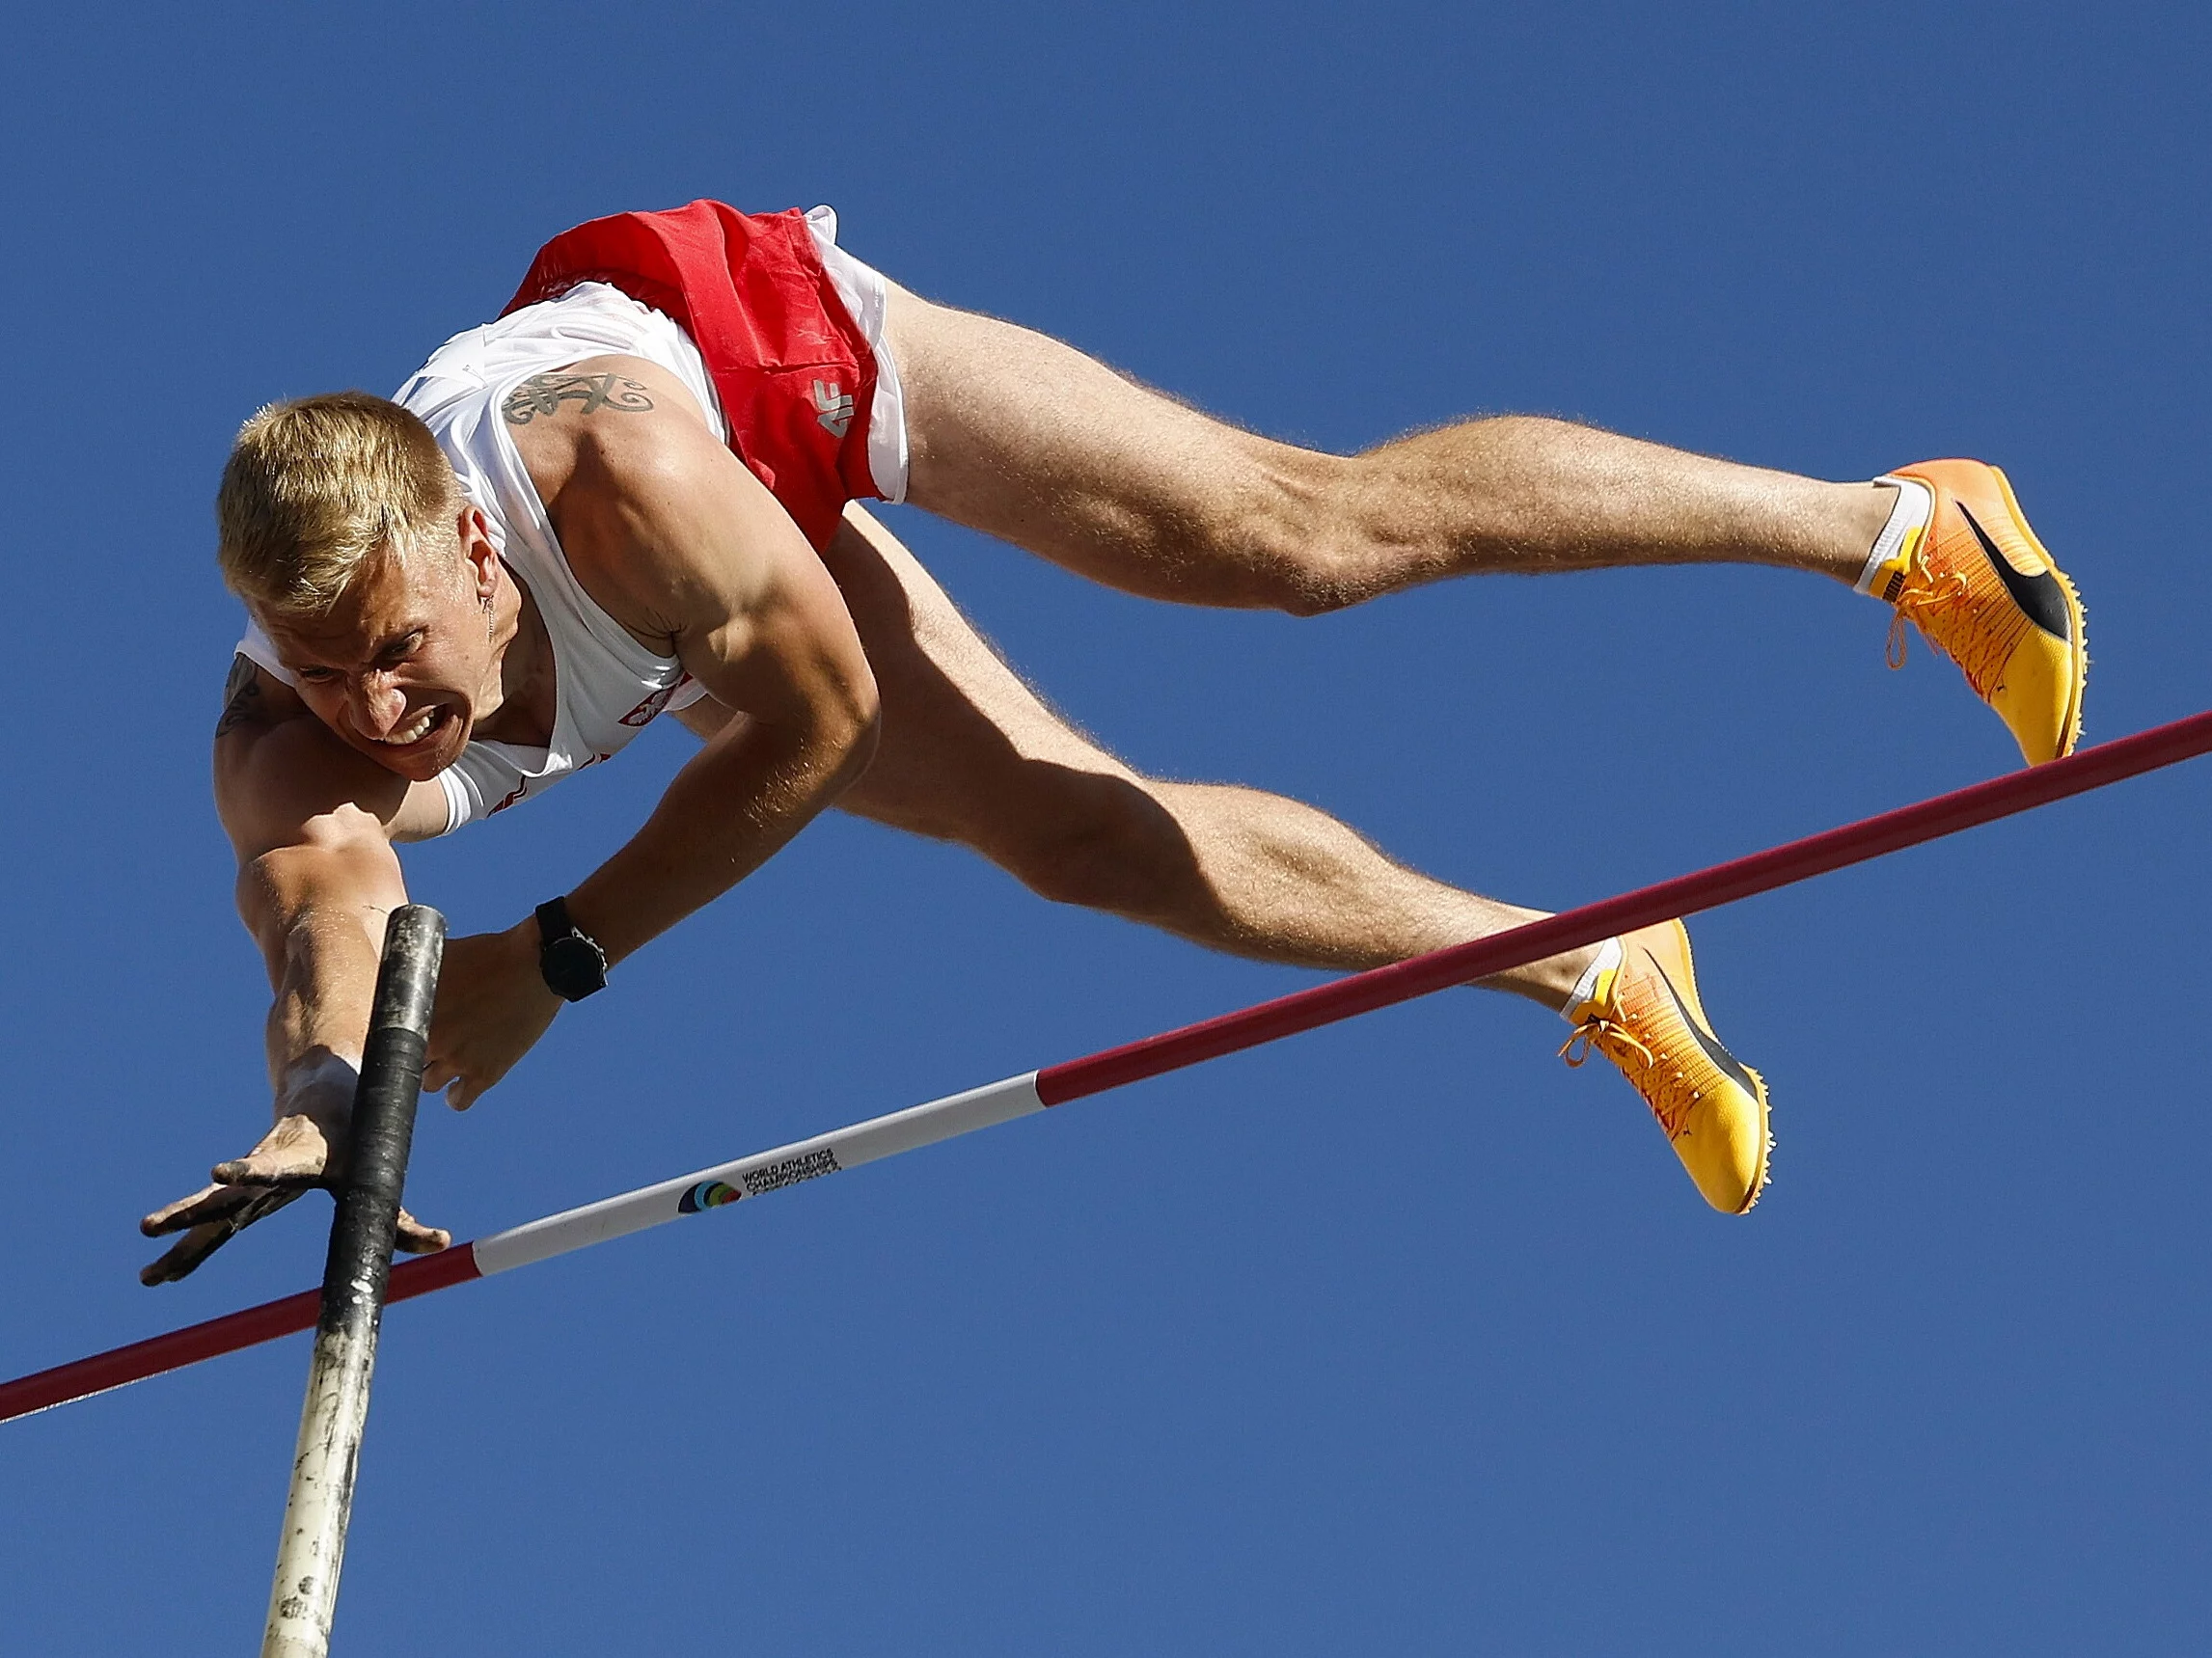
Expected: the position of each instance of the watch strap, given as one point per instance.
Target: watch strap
(553, 921)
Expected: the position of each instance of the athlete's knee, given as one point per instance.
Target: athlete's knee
(1305, 539)
(1329, 571)
(1105, 843)
(1327, 577)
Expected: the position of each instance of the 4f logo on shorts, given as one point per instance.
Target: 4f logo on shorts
(834, 407)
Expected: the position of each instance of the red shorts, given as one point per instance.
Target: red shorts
(796, 375)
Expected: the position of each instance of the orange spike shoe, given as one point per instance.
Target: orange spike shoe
(1644, 1015)
(1982, 589)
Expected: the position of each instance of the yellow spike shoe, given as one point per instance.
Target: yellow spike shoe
(1644, 1015)
(1982, 589)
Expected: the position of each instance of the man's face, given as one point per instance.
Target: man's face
(403, 665)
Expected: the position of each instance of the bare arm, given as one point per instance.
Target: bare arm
(313, 826)
(673, 536)
(755, 617)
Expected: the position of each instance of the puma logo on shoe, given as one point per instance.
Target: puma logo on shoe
(1728, 1064)
(833, 408)
(2039, 597)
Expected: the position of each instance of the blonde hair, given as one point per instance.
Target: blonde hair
(318, 487)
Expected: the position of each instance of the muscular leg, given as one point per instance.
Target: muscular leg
(968, 753)
(1029, 440)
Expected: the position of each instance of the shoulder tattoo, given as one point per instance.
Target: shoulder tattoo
(544, 393)
(241, 694)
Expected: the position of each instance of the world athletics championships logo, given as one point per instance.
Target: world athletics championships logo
(707, 1194)
(767, 1177)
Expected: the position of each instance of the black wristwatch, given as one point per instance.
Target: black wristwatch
(571, 960)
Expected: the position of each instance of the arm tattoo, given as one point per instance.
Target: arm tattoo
(241, 695)
(544, 393)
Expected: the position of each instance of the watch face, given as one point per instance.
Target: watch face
(572, 967)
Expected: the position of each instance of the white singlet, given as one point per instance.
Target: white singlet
(607, 685)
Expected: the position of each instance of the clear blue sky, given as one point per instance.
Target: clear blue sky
(1398, 1337)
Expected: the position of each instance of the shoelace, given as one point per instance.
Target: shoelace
(1670, 1095)
(1931, 602)
(1589, 1033)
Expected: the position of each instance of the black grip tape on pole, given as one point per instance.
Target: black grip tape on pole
(363, 1233)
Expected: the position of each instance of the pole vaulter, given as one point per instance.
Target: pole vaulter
(1035, 1091)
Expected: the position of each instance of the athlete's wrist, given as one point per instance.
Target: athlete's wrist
(321, 1084)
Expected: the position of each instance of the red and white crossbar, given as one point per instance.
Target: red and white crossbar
(1095, 1073)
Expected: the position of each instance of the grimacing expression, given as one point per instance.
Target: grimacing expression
(402, 665)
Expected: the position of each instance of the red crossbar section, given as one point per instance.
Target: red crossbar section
(1304, 1010)
(229, 1334)
(1684, 895)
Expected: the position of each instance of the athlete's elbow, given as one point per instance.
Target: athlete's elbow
(340, 856)
(345, 828)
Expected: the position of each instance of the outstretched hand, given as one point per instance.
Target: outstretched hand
(294, 1156)
(493, 1004)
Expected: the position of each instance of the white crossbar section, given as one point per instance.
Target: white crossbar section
(763, 1172)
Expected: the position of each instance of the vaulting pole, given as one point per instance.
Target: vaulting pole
(313, 1549)
(1115, 1068)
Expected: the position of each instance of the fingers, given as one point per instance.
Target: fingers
(207, 1204)
(291, 1157)
(416, 1239)
(462, 1089)
(219, 1213)
(461, 1092)
(186, 1254)
(208, 1236)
